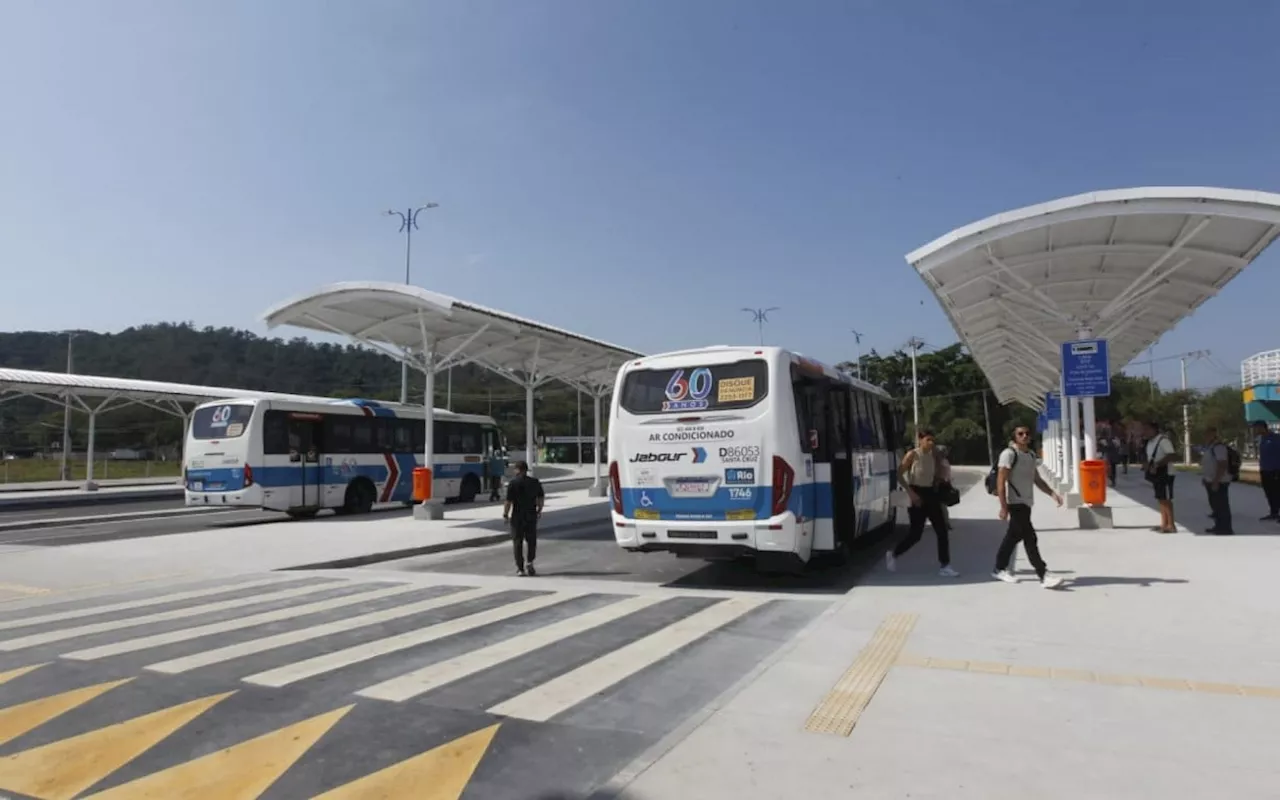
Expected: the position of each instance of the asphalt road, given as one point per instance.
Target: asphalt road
(592, 553)
(104, 526)
(291, 685)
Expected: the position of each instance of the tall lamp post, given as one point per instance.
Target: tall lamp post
(857, 349)
(408, 222)
(761, 316)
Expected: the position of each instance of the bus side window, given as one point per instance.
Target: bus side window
(804, 414)
(892, 434)
(275, 433)
(879, 441)
(402, 438)
(336, 432)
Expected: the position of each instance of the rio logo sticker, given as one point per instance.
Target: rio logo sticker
(689, 394)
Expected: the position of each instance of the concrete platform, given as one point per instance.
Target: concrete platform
(1155, 672)
(328, 541)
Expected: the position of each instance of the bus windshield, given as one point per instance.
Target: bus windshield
(717, 387)
(220, 422)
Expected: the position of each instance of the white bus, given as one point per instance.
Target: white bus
(346, 455)
(755, 452)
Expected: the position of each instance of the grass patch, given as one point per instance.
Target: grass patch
(33, 470)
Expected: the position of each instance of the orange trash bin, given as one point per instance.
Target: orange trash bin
(421, 484)
(1093, 482)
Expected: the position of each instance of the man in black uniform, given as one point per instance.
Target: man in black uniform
(523, 508)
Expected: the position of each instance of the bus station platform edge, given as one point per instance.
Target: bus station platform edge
(1154, 672)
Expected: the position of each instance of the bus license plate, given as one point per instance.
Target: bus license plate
(197, 486)
(695, 487)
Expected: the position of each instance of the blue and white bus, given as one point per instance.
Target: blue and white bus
(733, 452)
(345, 455)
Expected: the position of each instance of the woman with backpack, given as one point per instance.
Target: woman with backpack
(921, 474)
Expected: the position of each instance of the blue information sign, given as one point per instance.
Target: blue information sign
(1086, 370)
(1042, 422)
(1053, 406)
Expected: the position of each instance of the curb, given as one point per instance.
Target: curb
(138, 516)
(82, 498)
(428, 549)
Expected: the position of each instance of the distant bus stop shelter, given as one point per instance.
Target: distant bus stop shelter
(96, 394)
(1124, 265)
(433, 332)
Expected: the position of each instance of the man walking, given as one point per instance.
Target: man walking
(1160, 454)
(523, 509)
(1269, 467)
(1213, 473)
(1016, 482)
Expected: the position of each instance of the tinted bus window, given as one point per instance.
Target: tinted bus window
(220, 422)
(718, 387)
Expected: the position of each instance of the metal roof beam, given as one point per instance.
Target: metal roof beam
(1185, 235)
(1028, 287)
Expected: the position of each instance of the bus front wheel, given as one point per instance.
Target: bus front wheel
(470, 488)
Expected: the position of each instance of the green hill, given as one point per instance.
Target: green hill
(181, 353)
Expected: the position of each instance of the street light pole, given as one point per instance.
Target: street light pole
(409, 221)
(915, 344)
(66, 418)
(761, 316)
(857, 349)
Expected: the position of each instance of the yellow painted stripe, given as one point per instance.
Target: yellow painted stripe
(438, 774)
(18, 588)
(19, 719)
(63, 769)
(839, 711)
(5, 677)
(1088, 676)
(240, 772)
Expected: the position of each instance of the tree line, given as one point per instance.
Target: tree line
(228, 357)
(951, 388)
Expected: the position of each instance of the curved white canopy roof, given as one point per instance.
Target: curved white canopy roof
(396, 319)
(1126, 264)
(46, 385)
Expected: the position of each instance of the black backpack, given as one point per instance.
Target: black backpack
(1233, 463)
(993, 477)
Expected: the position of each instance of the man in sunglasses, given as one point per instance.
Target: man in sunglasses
(1016, 482)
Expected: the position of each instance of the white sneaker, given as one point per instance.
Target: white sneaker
(890, 563)
(948, 572)
(1050, 582)
(1005, 575)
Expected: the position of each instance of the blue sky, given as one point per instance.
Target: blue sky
(636, 171)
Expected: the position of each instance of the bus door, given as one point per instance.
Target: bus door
(494, 459)
(304, 451)
(843, 466)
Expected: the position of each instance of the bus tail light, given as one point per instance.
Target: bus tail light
(784, 479)
(615, 484)
(248, 476)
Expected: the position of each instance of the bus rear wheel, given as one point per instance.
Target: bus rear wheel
(359, 498)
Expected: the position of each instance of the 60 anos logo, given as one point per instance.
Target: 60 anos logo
(688, 394)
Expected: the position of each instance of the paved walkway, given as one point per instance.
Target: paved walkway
(1154, 673)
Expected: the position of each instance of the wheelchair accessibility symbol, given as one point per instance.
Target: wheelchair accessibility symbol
(645, 501)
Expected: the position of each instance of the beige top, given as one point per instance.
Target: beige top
(923, 470)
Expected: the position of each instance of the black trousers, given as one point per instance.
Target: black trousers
(1271, 488)
(524, 532)
(930, 510)
(1020, 530)
(1220, 505)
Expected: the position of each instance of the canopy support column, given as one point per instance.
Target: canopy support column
(1090, 421)
(433, 507)
(597, 485)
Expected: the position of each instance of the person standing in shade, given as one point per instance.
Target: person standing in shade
(1269, 467)
(921, 474)
(1016, 484)
(1160, 454)
(1217, 482)
(523, 510)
